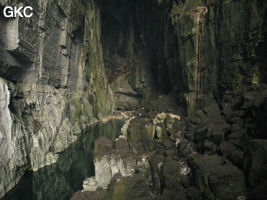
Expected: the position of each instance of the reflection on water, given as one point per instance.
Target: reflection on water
(61, 180)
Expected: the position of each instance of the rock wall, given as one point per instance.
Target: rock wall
(198, 51)
(126, 60)
(221, 47)
(52, 82)
(157, 54)
(217, 48)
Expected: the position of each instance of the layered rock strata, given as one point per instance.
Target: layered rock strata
(52, 83)
(212, 49)
(198, 51)
(157, 55)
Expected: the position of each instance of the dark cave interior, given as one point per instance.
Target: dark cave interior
(191, 73)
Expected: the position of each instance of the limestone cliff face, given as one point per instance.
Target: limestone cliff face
(126, 60)
(220, 47)
(52, 83)
(156, 53)
(198, 51)
(213, 50)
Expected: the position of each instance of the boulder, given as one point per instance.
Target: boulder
(255, 161)
(194, 193)
(130, 188)
(90, 184)
(228, 112)
(103, 146)
(168, 144)
(171, 171)
(227, 182)
(109, 161)
(173, 195)
(237, 120)
(235, 127)
(216, 179)
(232, 152)
(99, 194)
(216, 132)
(201, 115)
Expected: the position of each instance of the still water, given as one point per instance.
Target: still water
(61, 180)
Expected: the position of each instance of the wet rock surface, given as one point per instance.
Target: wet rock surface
(50, 89)
(62, 179)
(203, 59)
(210, 156)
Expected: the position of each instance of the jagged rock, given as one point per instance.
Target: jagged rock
(200, 134)
(125, 127)
(130, 188)
(232, 152)
(201, 115)
(209, 146)
(228, 112)
(167, 144)
(186, 181)
(156, 163)
(121, 146)
(150, 128)
(171, 123)
(240, 142)
(256, 101)
(13, 138)
(235, 127)
(212, 127)
(57, 85)
(172, 195)
(238, 134)
(170, 153)
(194, 193)
(237, 120)
(185, 148)
(255, 161)
(160, 118)
(159, 131)
(109, 162)
(90, 184)
(172, 172)
(227, 182)
(103, 146)
(238, 138)
(237, 157)
(212, 110)
(99, 194)
(139, 137)
(215, 179)
(216, 132)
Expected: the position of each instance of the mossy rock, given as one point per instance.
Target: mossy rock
(130, 188)
(171, 171)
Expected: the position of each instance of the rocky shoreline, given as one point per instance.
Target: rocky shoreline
(214, 155)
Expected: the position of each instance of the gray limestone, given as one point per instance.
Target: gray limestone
(52, 83)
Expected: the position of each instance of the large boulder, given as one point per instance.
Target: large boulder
(255, 161)
(99, 194)
(110, 161)
(217, 179)
(130, 188)
(172, 172)
(232, 153)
